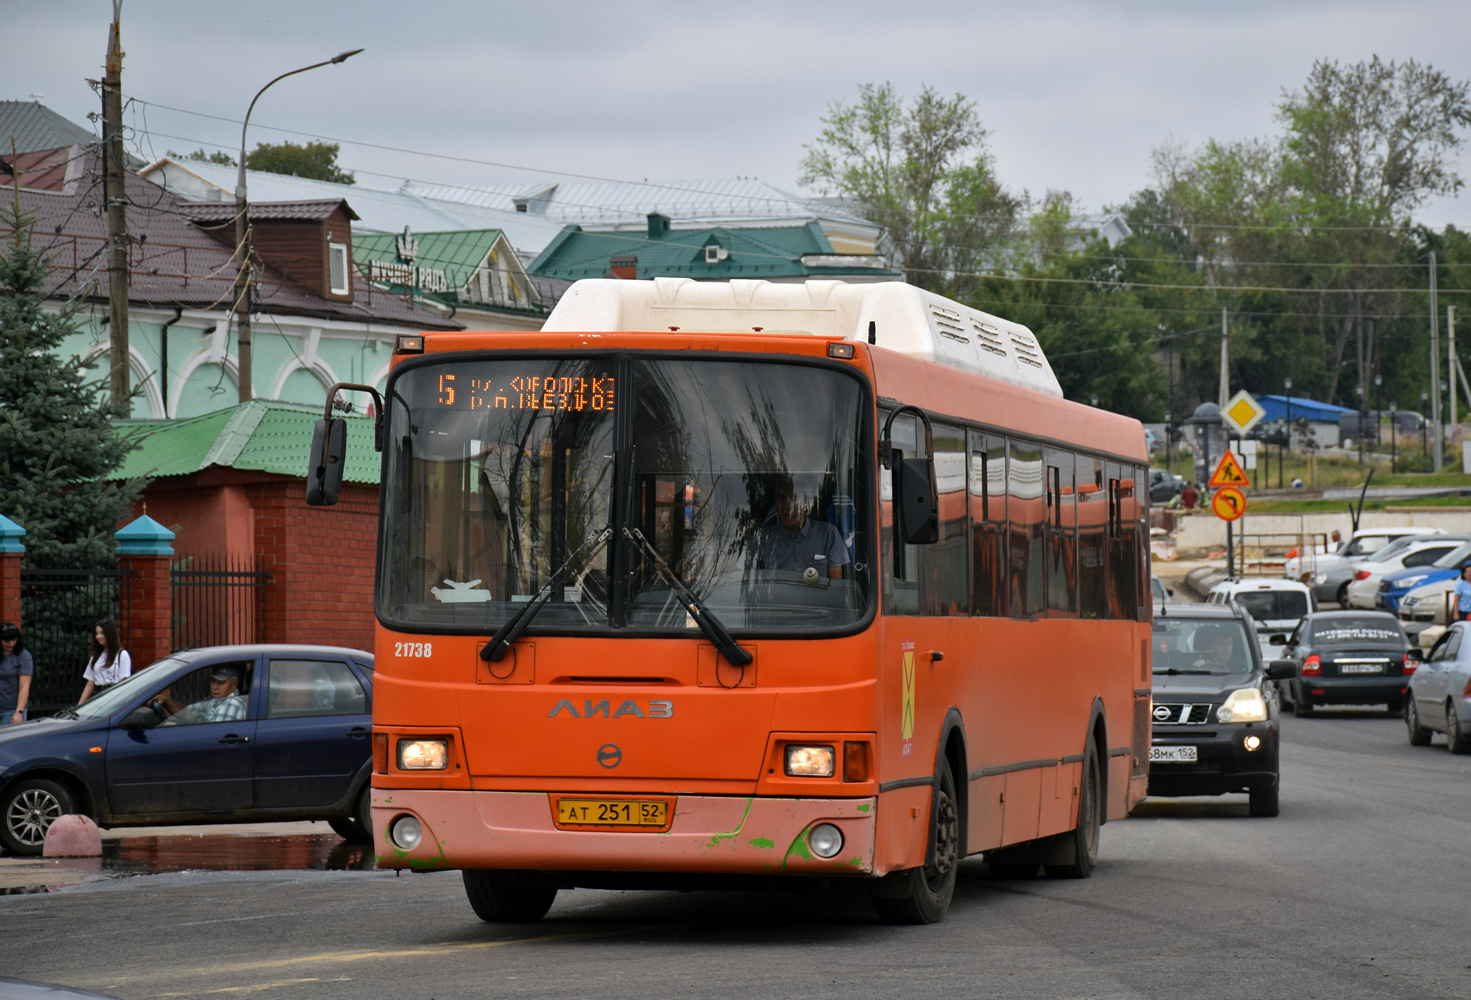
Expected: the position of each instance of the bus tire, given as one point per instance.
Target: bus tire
(1090, 818)
(931, 887)
(508, 897)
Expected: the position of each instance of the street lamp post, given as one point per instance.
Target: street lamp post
(1378, 411)
(1169, 443)
(1393, 444)
(1287, 389)
(243, 248)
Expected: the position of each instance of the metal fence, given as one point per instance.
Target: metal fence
(218, 601)
(60, 606)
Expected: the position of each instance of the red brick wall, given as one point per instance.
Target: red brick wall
(205, 519)
(321, 563)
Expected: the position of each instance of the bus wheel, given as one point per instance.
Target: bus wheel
(501, 897)
(1090, 818)
(930, 888)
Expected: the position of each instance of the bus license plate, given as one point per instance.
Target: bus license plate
(1172, 755)
(646, 813)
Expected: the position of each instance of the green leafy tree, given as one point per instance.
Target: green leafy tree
(218, 156)
(316, 160)
(57, 440)
(923, 173)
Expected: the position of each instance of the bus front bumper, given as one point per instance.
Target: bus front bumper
(708, 833)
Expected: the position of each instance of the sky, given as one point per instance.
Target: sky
(1075, 95)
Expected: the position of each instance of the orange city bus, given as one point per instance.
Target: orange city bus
(649, 617)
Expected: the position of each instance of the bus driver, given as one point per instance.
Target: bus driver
(794, 542)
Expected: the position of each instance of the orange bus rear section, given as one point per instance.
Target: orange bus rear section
(1019, 702)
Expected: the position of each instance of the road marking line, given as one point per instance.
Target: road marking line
(254, 989)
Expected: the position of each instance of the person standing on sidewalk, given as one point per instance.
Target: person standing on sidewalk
(110, 662)
(1462, 610)
(16, 671)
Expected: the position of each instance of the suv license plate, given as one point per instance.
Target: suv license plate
(1172, 755)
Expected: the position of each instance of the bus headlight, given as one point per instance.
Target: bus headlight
(1243, 705)
(810, 762)
(825, 840)
(406, 832)
(423, 755)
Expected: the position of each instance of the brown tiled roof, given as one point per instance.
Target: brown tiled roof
(174, 262)
(314, 211)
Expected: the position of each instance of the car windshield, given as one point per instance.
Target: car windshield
(114, 697)
(1454, 558)
(1368, 630)
(1192, 646)
(1273, 605)
(1392, 549)
(749, 480)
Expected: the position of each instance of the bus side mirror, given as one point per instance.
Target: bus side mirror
(919, 509)
(329, 451)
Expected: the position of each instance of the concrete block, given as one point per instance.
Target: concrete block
(73, 836)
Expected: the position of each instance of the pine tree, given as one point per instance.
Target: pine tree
(57, 439)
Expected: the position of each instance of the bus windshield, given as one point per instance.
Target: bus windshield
(749, 479)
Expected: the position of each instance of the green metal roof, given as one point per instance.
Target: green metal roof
(261, 435)
(774, 252)
(457, 254)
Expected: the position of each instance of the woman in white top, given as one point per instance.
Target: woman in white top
(109, 664)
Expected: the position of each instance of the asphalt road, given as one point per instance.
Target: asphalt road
(1356, 890)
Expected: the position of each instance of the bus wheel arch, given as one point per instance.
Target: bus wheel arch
(952, 751)
(1098, 737)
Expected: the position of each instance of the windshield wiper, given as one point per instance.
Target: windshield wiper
(1172, 671)
(67, 713)
(706, 620)
(508, 633)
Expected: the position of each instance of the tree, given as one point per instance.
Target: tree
(923, 173)
(316, 160)
(57, 440)
(218, 156)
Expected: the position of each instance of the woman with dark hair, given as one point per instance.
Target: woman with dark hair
(110, 662)
(16, 670)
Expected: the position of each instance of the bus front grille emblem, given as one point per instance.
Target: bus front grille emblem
(609, 755)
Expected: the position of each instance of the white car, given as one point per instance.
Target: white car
(1276, 606)
(1329, 573)
(1364, 589)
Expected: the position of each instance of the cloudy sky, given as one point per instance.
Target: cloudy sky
(1075, 94)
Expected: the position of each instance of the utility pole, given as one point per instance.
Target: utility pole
(1225, 361)
(1450, 359)
(115, 194)
(1437, 460)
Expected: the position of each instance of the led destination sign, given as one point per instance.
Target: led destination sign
(572, 393)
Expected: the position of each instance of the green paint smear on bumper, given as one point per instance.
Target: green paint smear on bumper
(715, 840)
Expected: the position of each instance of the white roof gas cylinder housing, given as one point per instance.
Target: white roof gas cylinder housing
(905, 318)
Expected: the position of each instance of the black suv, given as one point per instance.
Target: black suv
(1215, 707)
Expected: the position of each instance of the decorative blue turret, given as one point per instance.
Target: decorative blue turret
(144, 537)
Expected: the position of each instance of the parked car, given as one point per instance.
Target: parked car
(1329, 573)
(1215, 714)
(140, 752)
(1363, 590)
(1426, 606)
(1348, 658)
(1275, 605)
(1163, 484)
(1162, 594)
(1439, 699)
(1396, 585)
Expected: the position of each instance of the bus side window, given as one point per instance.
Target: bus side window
(1061, 534)
(900, 570)
(1143, 602)
(1026, 508)
(1092, 539)
(988, 525)
(1122, 530)
(946, 577)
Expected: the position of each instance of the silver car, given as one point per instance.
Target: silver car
(1440, 693)
(1329, 573)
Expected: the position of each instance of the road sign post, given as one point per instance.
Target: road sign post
(1229, 503)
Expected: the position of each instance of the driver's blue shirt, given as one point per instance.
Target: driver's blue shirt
(816, 543)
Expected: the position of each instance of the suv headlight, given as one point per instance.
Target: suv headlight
(1244, 705)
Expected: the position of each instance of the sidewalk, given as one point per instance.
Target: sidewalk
(33, 874)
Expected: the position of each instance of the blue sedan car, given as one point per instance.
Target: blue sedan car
(227, 734)
(1397, 585)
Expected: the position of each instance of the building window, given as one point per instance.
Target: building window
(337, 268)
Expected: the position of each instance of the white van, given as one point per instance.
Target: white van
(1275, 605)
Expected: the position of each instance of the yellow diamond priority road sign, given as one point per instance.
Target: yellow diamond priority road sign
(1241, 413)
